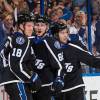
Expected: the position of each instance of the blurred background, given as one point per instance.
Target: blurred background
(81, 16)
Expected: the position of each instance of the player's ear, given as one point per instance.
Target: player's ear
(21, 26)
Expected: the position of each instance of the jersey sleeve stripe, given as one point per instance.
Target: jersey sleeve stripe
(10, 41)
(50, 50)
(21, 67)
(78, 47)
(12, 70)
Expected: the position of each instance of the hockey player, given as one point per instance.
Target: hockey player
(21, 59)
(73, 39)
(73, 55)
(50, 66)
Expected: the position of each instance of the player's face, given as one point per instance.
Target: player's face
(28, 28)
(40, 28)
(63, 36)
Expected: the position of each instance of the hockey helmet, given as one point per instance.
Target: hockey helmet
(62, 26)
(58, 27)
(40, 18)
(24, 17)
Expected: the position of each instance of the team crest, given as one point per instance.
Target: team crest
(57, 45)
(20, 40)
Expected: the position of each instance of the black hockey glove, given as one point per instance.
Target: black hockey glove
(58, 84)
(35, 82)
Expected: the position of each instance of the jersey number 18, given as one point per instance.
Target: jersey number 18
(17, 52)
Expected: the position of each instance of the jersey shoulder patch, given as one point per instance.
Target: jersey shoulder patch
(57, 45)
(20, 40)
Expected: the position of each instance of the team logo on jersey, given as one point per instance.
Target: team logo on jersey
(57, 45)
(20, 40)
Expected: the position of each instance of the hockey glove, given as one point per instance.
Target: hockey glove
(58, 84)
(35, 82)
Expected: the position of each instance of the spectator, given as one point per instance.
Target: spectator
(97, 36)
(48, 11)
(93, 29)
(76, 9)
(6, 26)
(96, 6)
(78, 29)
(80, 3)
(59, 12)
(52, 3)
(21, 5)
(4, 6)
(68, 4)
(30, 4)
(54, 18)
(37, 8)
(67, 14)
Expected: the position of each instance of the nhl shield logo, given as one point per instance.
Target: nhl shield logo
(20, 40)
(57, 45)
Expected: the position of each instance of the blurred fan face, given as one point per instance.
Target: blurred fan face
(80, 17)
(28, 28)
(76, 9)
(54, 17)
(40, 28)
(63, 36)
(61, 3)
(15, 2)
(59, 12)
(8, 21)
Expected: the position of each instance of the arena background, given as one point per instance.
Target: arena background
(91, 8)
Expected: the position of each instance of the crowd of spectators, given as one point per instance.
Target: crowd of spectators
(73, 13)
